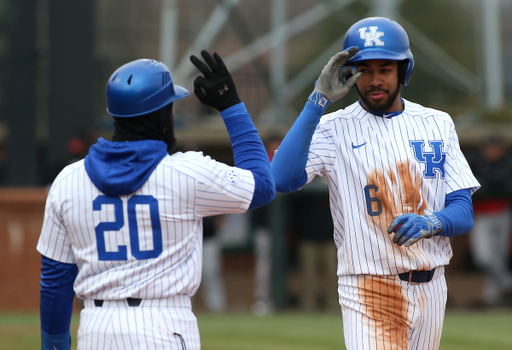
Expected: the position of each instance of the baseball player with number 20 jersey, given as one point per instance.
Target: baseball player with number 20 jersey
(123, 227)
(399, 188)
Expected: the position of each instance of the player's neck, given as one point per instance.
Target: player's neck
(397, 106)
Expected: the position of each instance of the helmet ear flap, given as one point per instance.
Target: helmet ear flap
(402, 70)
(405, 71)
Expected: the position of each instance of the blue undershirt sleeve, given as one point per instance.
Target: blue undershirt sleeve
(249, 153)
(56, 302)
(289, 162)
(457, 217)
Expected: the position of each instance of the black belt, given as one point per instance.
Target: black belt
(417, 276)
(133, 302)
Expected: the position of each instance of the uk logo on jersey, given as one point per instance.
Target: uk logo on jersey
(433, 160)
(371, 36)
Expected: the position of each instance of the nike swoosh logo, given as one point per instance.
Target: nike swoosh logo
(361, 145)
(387, 115)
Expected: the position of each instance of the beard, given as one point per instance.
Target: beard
(379, 107)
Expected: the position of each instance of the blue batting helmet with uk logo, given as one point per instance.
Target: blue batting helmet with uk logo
(381, 38)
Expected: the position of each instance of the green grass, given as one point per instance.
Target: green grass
(477, 331)
(283, 331)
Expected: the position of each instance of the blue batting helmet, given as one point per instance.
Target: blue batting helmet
(381, 38)
(140, 87)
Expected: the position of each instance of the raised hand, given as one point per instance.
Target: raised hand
(335, 81)
(215, 88)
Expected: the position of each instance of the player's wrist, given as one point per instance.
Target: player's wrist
(319, 100)
(234, 111)
(434, 221)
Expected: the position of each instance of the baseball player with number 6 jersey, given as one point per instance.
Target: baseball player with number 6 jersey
(123, 227)
(399, 187)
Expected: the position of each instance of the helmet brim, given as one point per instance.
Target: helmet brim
(179, 93)
(377, 54)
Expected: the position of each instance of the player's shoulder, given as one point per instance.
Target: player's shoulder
(187, 157)
(70, 169)
(354, 111)
(416, 110)
(189, 162)
(60, 182)
(202, 168)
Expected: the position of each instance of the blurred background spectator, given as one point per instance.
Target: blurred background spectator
(260, 226)
(316, 252)
(212, 285)
(490, 236)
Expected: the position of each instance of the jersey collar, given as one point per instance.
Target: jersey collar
(387, 115)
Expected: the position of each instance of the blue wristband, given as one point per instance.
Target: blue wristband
(319, 100)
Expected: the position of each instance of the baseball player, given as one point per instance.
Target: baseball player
(123, 227)
(399, 187)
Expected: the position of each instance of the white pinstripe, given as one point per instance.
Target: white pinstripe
(363, 247)
(359, 152)
(421, 305)
(116, 326)
(187, 187)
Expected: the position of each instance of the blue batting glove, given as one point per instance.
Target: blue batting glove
(413, 227)
(55, 342)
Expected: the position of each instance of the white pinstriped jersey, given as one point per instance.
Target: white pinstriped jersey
(145, 245)
(379, 168)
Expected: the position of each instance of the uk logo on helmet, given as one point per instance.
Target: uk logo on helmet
(371, 37)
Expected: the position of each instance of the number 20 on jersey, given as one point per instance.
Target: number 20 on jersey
(119, 222)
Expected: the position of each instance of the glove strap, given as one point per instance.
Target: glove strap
(319, 100)
(437, 225)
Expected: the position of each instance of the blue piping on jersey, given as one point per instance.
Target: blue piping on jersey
(121, 168)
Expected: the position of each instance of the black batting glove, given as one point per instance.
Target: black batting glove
(215, 88)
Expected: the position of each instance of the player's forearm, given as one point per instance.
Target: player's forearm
(249, 153)
(56, 301)
(457, 217)
(289, 162)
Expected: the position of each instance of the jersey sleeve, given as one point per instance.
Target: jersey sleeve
(221, 189)
(321, 155)
(458, 173)
(54, 242)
